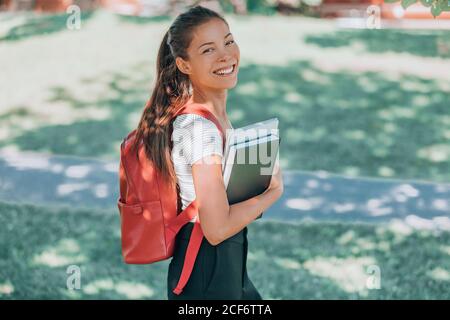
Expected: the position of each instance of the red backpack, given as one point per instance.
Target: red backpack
(148, 208)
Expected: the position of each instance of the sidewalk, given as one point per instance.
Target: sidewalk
(90, 183)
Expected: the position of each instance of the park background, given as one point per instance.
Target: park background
(364, 110)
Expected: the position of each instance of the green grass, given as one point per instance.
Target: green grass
(35, 25)
(355, 102)
(353, 120)
(286, 261)
(420, 43)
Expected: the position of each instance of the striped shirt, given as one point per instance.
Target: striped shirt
(193, 137)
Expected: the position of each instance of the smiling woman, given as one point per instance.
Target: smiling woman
(214, 58)
(197, 63)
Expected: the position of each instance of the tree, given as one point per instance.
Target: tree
(436, 6)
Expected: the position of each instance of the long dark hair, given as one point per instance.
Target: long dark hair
(171, 91)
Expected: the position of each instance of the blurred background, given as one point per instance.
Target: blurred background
(362, 92)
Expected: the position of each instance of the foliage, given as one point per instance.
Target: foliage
(436, 6)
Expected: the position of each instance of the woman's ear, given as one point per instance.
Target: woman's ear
(182, 65)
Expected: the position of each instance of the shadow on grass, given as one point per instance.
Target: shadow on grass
(420, 43)
(358, 124)
(89, 138)
(286, 261)
(41, 24)
(144, 20)
(410, 265)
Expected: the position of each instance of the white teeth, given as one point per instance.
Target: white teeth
(225, 71)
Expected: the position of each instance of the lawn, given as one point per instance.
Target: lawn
(354, 102)
(286, 261)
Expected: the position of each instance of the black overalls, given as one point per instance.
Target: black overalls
(220, 272)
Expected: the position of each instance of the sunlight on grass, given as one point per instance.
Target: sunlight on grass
(437, 223)
(236, 115)
(248, 88)
(402, 228)
(65, 189)
(442, 222)
(385, 171)
(349, 274)
(440, 274)
(19, 162)
(368, 85)
(65, 252)
(391, 116)
(399, 229)
(256, 255)
(111, 167)
(56, 113)
(359, 244)
(312, 183)
(404, 191)
(78, 171)
(285, 261)
(312, 76)
(354, 134)
(445, 249)
(304, 204)
(6, 289)
(441, 204)
(346, 238)
(376, 207)
(396, 112)
(129, 290)
(294, 97)
(133, 119)
(446, 134)
(435, 153)
(295, 136)
(385, 116)
(414, 86)
(71, 294)
(288, 263)
(101, 190)
(351, 171)
(363, 244)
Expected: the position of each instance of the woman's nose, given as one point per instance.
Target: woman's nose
(225, 57)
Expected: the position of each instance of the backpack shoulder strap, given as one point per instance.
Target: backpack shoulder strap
(202, 111)
(194, 244)
(126, 183)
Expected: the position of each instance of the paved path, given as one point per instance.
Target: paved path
(81, 182)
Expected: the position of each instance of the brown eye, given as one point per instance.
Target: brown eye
(231, 41)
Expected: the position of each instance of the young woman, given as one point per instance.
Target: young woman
(198, 62)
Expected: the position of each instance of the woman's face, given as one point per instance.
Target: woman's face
(212, 49)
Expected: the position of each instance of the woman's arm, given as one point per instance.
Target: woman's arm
(218, 219)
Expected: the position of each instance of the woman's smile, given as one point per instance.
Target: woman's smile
(226, 72)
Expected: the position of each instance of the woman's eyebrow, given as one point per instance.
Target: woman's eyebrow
(212, 42)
